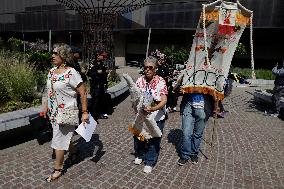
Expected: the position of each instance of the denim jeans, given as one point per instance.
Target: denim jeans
(149, 151)
(193, 124)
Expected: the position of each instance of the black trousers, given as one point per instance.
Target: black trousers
(172, 99)
(97, 102)
(278, 91)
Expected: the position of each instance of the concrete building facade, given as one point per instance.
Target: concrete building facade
(172, 24)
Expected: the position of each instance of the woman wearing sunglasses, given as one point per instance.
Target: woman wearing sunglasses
(63, 85)
(154, 90)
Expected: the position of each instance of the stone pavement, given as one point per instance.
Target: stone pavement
(248, 152)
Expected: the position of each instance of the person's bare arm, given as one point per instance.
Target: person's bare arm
(83, 94)
(44, 103)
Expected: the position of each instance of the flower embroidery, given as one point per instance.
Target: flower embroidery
(199, 47)
(189, 67)
(61, 78)
(67, 75)
(157, 86)
(223, 50)
(61, 106)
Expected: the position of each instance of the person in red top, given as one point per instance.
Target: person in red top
(154, 91)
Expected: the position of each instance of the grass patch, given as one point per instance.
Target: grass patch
(260, 73)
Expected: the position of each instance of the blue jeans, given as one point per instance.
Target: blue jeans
(149, 151)
(193, 124)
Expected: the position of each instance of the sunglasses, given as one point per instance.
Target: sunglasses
(55, 53)
(148, 67)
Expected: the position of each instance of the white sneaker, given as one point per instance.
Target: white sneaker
(138, 161)
(147, 169)
(275, 115)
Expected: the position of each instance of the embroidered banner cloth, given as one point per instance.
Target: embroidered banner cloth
(224, 26)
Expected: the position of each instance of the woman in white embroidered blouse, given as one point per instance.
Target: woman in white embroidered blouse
(63, 84)
(154, 90)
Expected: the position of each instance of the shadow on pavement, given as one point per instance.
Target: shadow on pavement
(174, 137)
(116, 101)
(92, 150)
(16, 136)
(265, 108)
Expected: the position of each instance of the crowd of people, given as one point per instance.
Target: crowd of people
(66, 88)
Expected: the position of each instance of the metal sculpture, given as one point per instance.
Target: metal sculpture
(98, 17)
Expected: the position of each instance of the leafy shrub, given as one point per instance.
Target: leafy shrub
(21, 83)
(14, 43)
(113, 78)
(241, 49)
(244, 72)
(40, 78)
(176, 56)
(41, 61)
(260, 74)
(15, 105)
(17, 78)
(264, 74)
(3, 87)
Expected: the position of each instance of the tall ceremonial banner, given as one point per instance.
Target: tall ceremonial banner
(209, 63)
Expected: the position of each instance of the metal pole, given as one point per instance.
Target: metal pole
(49, 41)
(24, 47)
(70, 38)
(24, 43)
(149, 38)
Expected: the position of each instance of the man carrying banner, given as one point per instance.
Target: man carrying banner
(202, 81)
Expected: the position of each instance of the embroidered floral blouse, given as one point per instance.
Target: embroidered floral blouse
(154, 89)
(64, 87)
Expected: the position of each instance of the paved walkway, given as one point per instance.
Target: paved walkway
(248, 152)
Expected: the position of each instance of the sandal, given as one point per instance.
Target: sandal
(52, 178)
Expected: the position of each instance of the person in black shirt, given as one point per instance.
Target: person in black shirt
(77, 54)
(163, 69)
(98, 83)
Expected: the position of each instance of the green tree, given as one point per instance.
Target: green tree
(176, 56)
(14, 43)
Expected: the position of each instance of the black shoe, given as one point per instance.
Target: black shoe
(181, 161)
(194, 159)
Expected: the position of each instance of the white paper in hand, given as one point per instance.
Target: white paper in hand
(86, 130)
